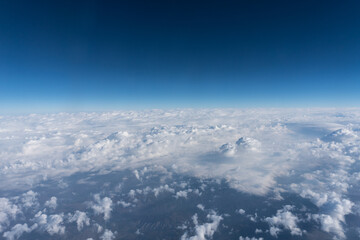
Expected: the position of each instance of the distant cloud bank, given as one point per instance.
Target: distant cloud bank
(314, 153)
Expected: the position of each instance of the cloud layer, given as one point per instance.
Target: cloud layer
(313, 153)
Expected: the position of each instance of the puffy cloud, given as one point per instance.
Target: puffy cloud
(52, 203)
(247, 143)
(132, 193)
(108, 235)
(102, 206)
(341, 135)
(241, 211)
(284, 218)
(206, 230)
(200, 206)
(136, 173)
(182, 194)
(53, 224)
(250, 238)
(80, 218)
(164, 188)
(8, 212)
(98, 227)
(327, 187)
(29, 199)
(17, 231)
(124, 204)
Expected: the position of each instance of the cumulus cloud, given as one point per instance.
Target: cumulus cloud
(108, 235)
(182, 194)
(206, 230)
(250, 238)
(284, 218)
(29, 199)
(164, 188)
(53, 224)
(17, 231)
(52, 203)
(241, 211)
(136, 173)
(102, 206)
(200, 206)
(337, 209)
(80, 218)
(8, 212)
(124, 204)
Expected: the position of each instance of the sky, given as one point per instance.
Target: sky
(110, 55)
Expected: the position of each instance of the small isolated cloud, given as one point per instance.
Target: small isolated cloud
(250, 238)
(17, 230)
(164, 188)
(108, 235)
(206, 230)
(8, 212)
(241, 211)
(136, 173)
(80, 218)
(29, 199)
(124, 204)
(241, 145)
(53, 224)
(284, 219)
(181, 194)
(102, 206)
(52, 203)
(98, 227)
(200, 206)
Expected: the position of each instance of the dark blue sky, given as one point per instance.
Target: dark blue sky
(101, 55)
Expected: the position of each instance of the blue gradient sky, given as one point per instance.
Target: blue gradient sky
(104, 55)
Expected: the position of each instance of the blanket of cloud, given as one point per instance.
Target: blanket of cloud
(303, 163)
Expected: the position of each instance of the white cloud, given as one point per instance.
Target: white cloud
(102, 206)
(250, 238)
(53, 224)
(132, 193)
(200, 206)
(17, 231)
(241, 211)
(136, 173)
(284, 218)
(124, 204)
(108, 235)
(98, 227)
(53, 144)
(258, 231)
(8, 212)
(206, 230)
(29, 199)
(80, 218)
(52, 203)
(164, 188)
(182, 194)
